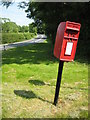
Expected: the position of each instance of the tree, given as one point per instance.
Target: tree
(24, 28)
(9, 27)
(40, 26)
(5, 20)
(32, 28)
(19, 28)
(51, 14)
(6, 3)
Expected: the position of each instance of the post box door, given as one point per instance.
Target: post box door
(70, 40)
(68, 50)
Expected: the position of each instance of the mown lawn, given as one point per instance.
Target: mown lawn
(29, 76)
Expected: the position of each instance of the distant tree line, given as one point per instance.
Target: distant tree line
(12, 27)
(11, 32)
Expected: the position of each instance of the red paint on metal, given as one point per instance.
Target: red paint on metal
(66, 32)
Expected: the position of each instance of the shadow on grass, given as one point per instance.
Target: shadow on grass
(29, 95)
(40, 83)
(32, 54)
(36, 54)
(25, 94)
(36, 82)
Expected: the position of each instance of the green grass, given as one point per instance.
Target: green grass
(29, 76)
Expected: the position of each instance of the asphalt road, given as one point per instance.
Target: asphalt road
(39, 39)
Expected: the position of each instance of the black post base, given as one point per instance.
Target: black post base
(58, 82)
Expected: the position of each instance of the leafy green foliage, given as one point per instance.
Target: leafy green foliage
(24, 29)
(11, 32)
(32, 28)
(53, 13)
(12, 37)
(16, 37)
(9, 27)
(5, 20)
(6, 3)
(40, 26)
(28, 35)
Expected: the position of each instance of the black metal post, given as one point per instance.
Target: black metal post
(58, 81)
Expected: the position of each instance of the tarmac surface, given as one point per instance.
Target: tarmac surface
(39, 39)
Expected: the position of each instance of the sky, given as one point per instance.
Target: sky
(15, 14)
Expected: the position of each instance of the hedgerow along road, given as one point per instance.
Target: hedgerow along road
(39, 39)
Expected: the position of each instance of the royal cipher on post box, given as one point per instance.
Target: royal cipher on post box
(66, 40)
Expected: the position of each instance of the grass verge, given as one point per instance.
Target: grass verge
(29, 76)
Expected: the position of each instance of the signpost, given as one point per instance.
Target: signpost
(65, 48)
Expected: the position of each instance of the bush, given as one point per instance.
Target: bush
(28, 35)
(21, 37)
(16, 37)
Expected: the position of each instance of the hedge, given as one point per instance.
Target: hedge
(16, 37)
(28, 35)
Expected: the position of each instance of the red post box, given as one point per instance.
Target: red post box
(66, 40)
(65, 48)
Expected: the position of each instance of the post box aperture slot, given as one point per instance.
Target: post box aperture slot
(69, 47)
(71, 33)
(70, 39)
